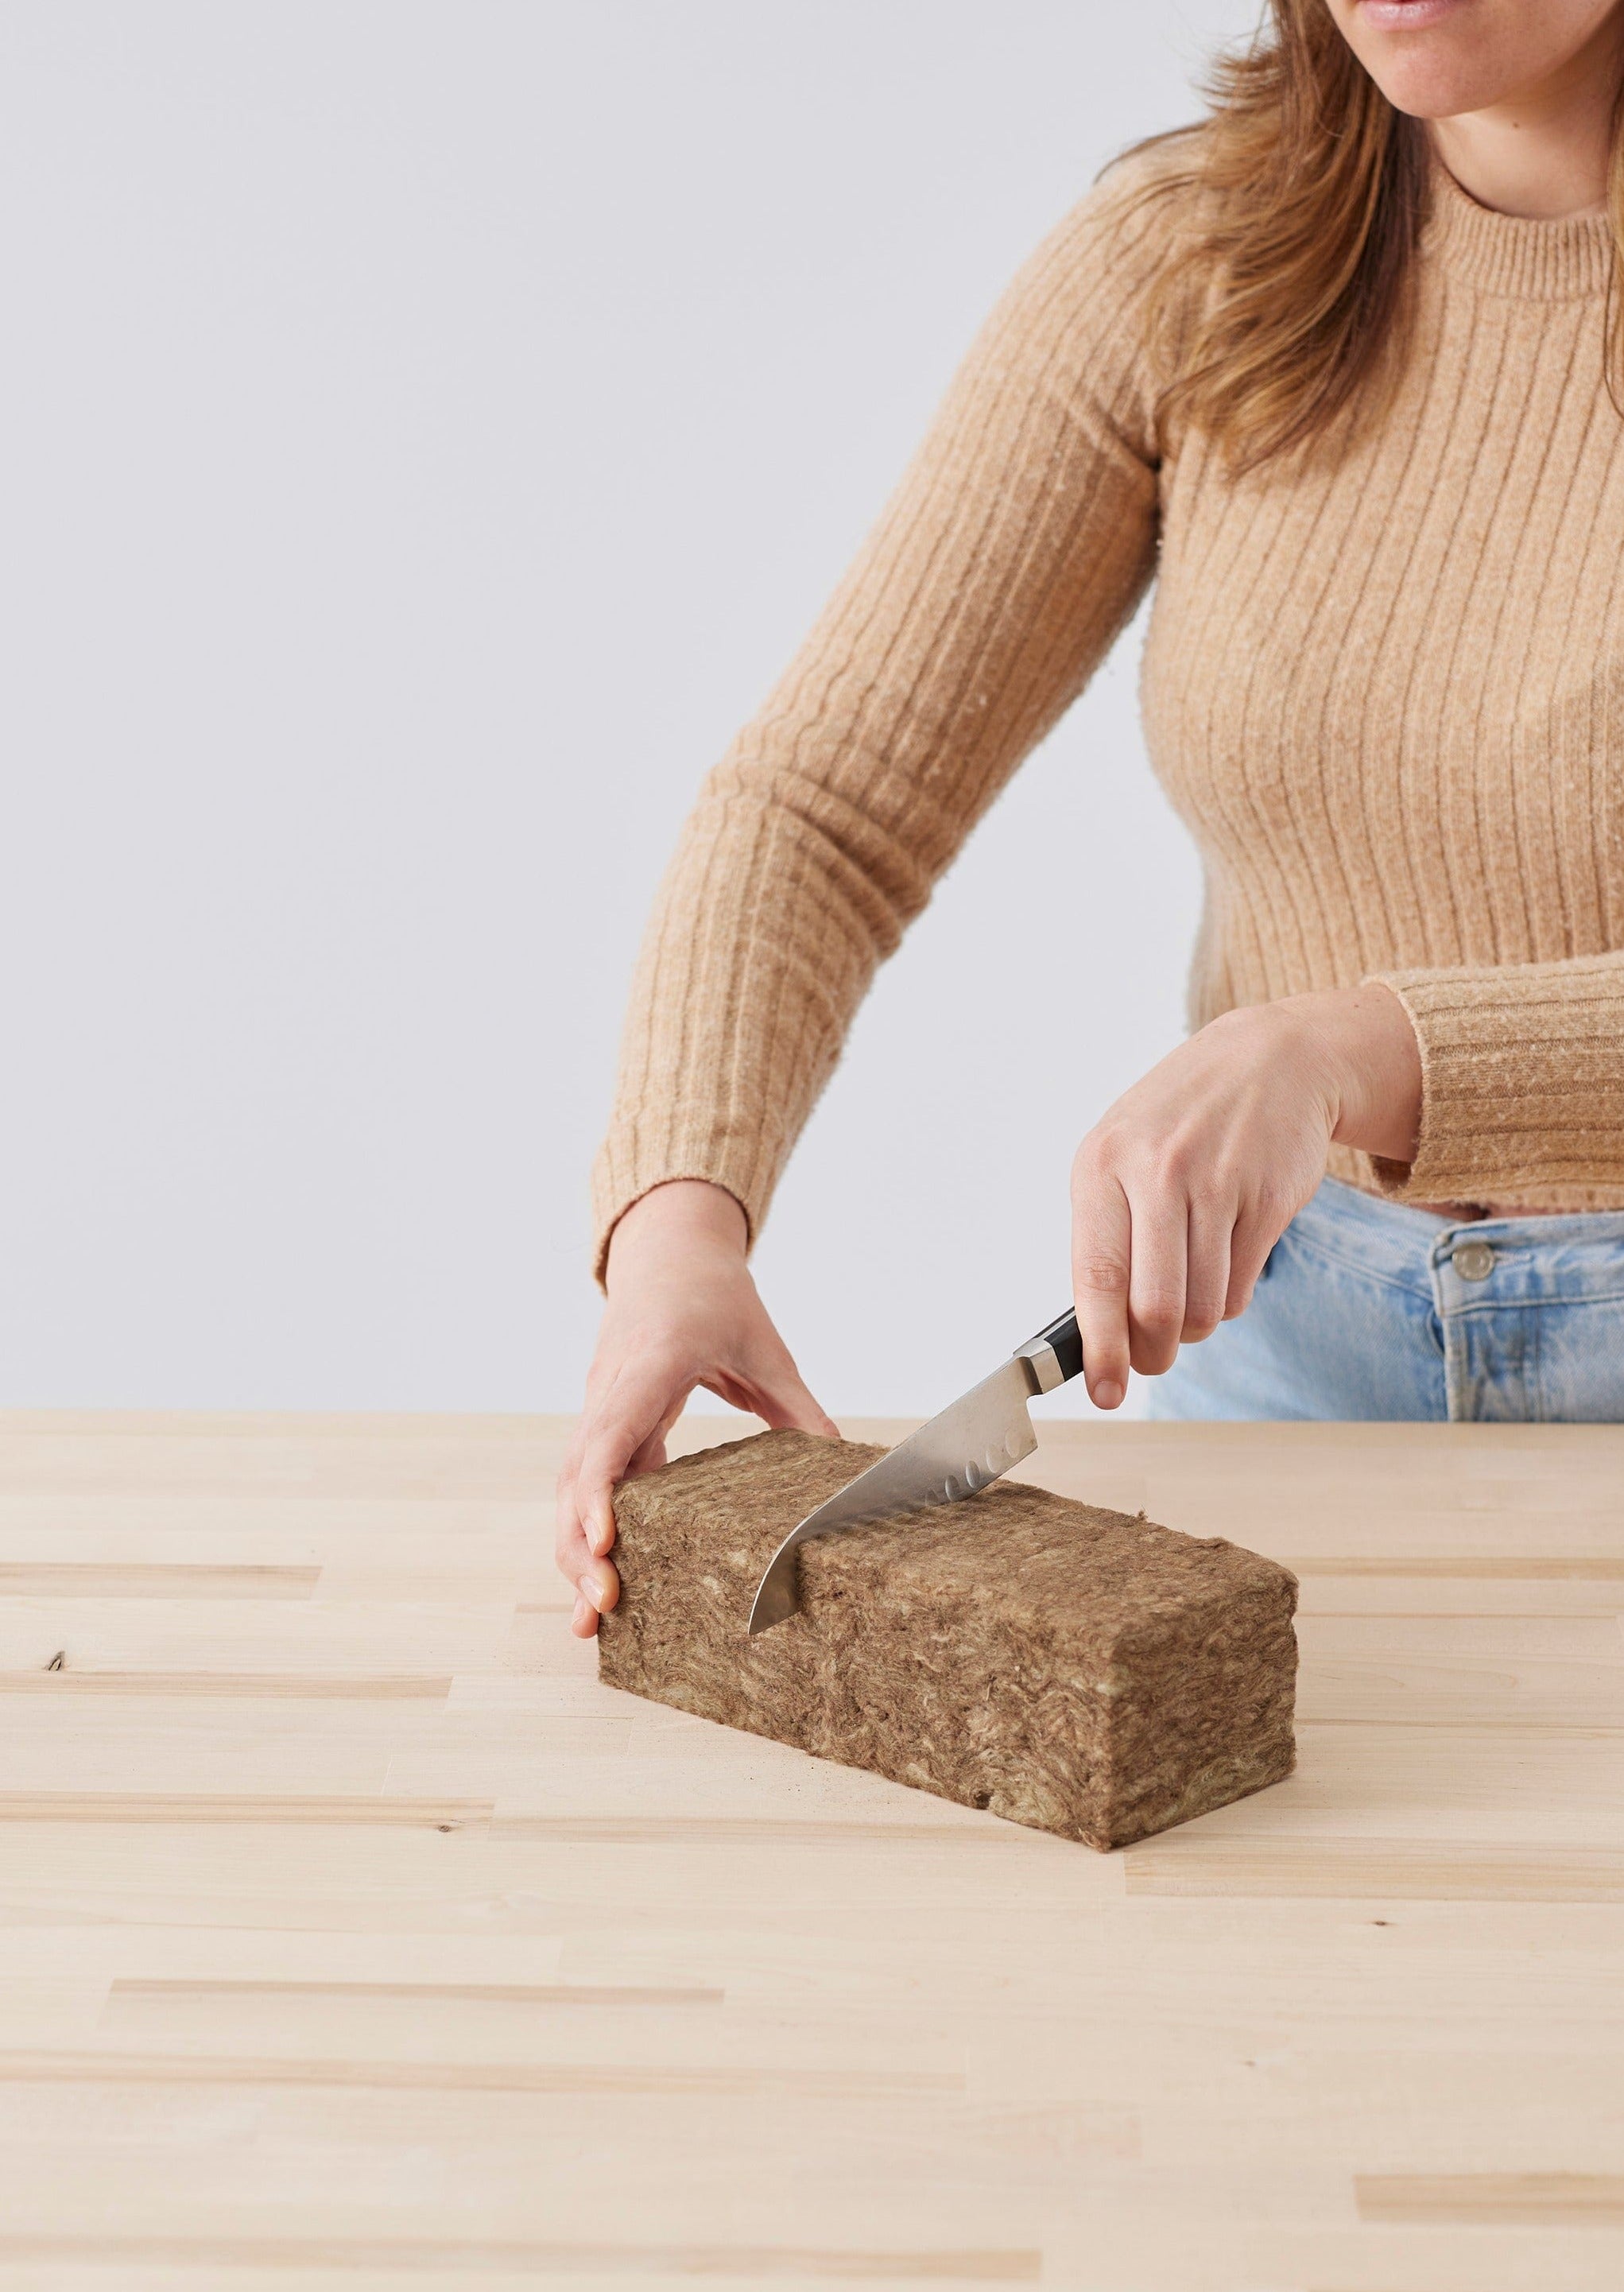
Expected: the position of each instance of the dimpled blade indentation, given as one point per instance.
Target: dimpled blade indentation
(979, 1473)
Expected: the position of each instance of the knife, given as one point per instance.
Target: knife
(964, 1449)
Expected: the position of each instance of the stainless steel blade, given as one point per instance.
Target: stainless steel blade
(969, 1445)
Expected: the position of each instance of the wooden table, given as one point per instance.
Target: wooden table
(352, 1935)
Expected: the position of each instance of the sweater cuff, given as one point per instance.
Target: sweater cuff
(1522, 1081)
(643, 1151)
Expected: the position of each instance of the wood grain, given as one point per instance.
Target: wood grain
(461, 1993)
(746, 1831)
(352, 1933)
(93, 1579)
(468, 2076)
(1493, 2200)
(1380, 1870)
(769, 2263)
(1492, 1567)
(62, 1678)
(191, 1808)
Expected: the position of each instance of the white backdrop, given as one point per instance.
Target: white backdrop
(429, 429)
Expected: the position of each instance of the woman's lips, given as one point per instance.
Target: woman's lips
(1408, 15)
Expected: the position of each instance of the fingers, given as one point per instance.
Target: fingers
(785, 1404)
(682, 1314)
(624, 1434)
(766, 1382)
(1255, 1236)
(1157, 1279)
(623, 1431)
(648, 1457)
(569, 1549)
(1184, 1185)
(597, 1586)
(1102, 1238)
(1150, 1268)
(1209, 1225)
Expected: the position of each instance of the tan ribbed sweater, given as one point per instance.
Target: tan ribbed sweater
(1384, 690)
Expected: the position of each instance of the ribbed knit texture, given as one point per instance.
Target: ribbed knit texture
(1385, 689)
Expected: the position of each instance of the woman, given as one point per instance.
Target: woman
(1342, 366)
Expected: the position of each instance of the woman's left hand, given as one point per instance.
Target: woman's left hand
(1183, 1188)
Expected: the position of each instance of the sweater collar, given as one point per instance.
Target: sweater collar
(1510, 255)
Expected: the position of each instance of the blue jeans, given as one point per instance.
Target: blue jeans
(1369, 1310)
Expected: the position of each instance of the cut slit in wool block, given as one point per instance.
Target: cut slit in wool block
(1073, 1668)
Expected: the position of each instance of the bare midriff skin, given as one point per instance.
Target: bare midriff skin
(1463, 1213)
(1183, 1188)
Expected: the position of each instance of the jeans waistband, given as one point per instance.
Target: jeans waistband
(1488, 1262)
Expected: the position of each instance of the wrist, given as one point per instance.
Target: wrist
(1372, 1065)
(684, 1215)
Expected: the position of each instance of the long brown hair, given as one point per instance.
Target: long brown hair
(1307, 191)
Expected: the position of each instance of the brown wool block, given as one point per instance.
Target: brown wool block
(1065, 1667)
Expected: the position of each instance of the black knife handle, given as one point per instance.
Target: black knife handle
(1063, 1341)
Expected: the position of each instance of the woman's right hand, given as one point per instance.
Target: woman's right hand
(683, 1312)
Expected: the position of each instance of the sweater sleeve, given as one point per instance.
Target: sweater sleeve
(1522, 1082)
(1014, 550)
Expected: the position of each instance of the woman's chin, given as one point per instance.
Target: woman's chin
(1428, 56)
(1433, 87)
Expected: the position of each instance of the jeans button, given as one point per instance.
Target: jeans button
(1473, 1261)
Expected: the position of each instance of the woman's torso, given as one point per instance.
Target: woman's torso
(1387, 695)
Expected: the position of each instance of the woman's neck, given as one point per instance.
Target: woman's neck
(1543, 152)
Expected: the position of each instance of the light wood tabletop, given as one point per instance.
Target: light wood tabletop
(352, 1935)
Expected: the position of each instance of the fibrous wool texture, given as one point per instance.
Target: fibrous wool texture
(1055, 1663)
(1383, 686)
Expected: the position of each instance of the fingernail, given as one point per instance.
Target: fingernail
(590, 1591)
(1107, 1393)
(581, 1613)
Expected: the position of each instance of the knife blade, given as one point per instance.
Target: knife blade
(968, 1446)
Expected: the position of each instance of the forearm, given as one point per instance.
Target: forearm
(1010, 556)
(755, 959)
